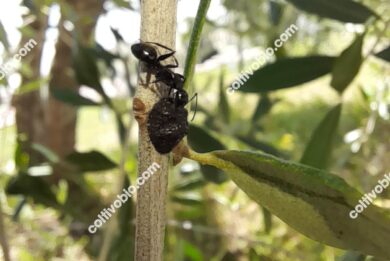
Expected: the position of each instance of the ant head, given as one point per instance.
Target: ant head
(181, 98)
(144, 52)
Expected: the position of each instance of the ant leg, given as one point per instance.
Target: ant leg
(196, 104)
(162, 46)
(167, 55)
(169, 66)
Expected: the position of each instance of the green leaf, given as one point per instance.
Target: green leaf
(314, 202)
(260, 145)
(342, 10)
(35, 187)
(347, 65)
(267, 216)
(21, 158)
(50, 155)
(3, 37)
(86, 70)
(319, 149)
(264, 105)
(186, 200)
(71, 97)
(90, 161)
(223, 105)
(200, 140)
(189, 184)
(31, 86)
(191, 252)
(275, 12)
(353, 256)
(288, 72)
(384, 54)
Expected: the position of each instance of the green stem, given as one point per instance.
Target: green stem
(195, 41)
(209, 159)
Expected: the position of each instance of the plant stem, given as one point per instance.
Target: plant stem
(3, 237)
(158, 24)
(195, 41)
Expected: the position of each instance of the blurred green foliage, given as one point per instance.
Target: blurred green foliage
(323, 100)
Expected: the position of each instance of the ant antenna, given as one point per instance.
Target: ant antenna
(196, 104)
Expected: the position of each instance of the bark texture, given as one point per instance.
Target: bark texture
(158, 24)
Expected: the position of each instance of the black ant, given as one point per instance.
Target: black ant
(147, 53)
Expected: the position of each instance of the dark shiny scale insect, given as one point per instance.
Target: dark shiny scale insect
(167, 123)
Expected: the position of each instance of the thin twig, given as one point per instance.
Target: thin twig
(113, 224)
(3, 237)
(158, 24)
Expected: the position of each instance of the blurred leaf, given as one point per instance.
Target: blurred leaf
(275, 12)
(203, 58)
(71, 97)
(106, 56)
(34, 187)
(18, 209)
(85, 68)
(352, 256)
(122, 3)
(347, 65)
(200, 140)
(312, 201)
(3, 37)
(264, 105)
(121, 128)
(46, 152)
(21, 158)
(117, 35)
(288, 72)
(90, 161)
(223, 105)
(384, 54)
(189, 184)
(30, 86)
(191, 252)
(186, 200)
(259, 145)
(342, 10)
(213, 174)
(267, 216)
(319, 149)
(364, 94)
(122, 246)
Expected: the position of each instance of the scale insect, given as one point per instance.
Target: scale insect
(167, 122)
